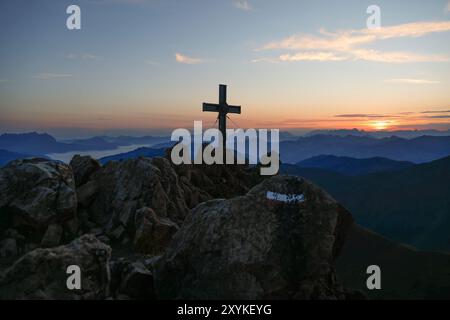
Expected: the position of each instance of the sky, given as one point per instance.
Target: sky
(145, 66)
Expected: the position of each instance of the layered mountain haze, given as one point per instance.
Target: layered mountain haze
(410, 205)
(351, 166)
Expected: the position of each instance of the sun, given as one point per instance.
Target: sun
(381, 124)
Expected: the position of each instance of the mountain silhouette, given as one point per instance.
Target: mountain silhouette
(352, 166)
(418, 150)
(140, 152)
(411, 205)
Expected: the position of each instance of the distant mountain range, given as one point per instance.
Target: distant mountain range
(407, 134)
(121, 140)
(7, 156)
(418, 150)
(351, 166)
(140, 152)
(411, 205)
(43, 143)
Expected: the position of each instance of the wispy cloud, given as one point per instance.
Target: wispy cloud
(49, 76)
(412, 81)
(82, 56)
(359, 115)
(437, 111)
(151, 62)
(181, 58)
(4, 80)
(346, 44)
(446, 116)
(447, 8)
(312, 56)
(242, 5)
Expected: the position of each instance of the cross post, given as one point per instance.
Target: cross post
(223, 109)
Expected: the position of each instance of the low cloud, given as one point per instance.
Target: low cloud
(181, 58)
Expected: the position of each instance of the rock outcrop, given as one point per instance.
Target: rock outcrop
(37, 201)
(83, 167)
(278, 241)
(116, 194)
(41, 273)
(259, 239)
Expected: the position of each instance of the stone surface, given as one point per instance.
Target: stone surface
(52, 236)
(153, 234)
(125, 187)
(132, 280)
(251, 247)
(41, 273)
(83, 167)
(34, 194)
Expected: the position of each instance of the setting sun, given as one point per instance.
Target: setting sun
(381, 125)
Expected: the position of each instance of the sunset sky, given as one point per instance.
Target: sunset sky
(142, 66)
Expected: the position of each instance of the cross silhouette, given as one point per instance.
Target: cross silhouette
(223, 109)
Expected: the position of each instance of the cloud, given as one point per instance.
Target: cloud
(4, 80)
(359, 115)
(346, 44)
(412, 81)
(242, 5)
(181, 58)
(437, 111)
(439, 117)
(447, 8)
(312, 56)
(151, 62)
(49, 76)
(82, 56)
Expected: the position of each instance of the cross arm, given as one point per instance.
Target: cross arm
(210, 107)
(234, 109)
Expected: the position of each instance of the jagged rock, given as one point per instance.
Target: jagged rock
(86, 193)
(41, 273)
(52, 236)
(125, 187)
(117, 233)
(83, 167)
(259, 246)
(153, 234)
(8, 248)
(35, 193)
(137, 282)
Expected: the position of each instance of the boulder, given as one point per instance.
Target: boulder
(127, 186)
(278, 241)
(8, 248)
(83, 167)
(41, 273)
(153, 234)
(131, 280)
(52, 236)
(35, 193)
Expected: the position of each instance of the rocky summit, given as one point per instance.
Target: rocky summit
(146, 229)
(257, 247)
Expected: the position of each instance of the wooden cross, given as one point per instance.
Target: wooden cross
(223, 109)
